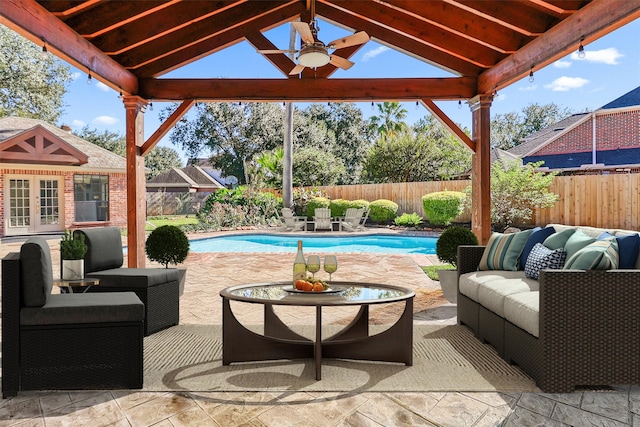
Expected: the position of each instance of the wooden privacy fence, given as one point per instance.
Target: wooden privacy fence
(170, 203)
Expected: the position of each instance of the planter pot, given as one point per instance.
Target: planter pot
(182, 278)
(449, 284)
(72, 269)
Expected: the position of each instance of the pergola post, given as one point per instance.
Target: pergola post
(481, 168)
(136, 189)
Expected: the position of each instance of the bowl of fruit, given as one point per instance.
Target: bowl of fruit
(311, 286)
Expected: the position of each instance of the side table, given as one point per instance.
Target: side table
(76, 285)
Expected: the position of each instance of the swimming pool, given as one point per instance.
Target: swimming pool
(372, 243)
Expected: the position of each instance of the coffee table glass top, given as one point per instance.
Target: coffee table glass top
(339, 293)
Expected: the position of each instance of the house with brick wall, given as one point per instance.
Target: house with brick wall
(606, 140)
(52, 180)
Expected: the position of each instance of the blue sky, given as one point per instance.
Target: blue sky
(610, 69)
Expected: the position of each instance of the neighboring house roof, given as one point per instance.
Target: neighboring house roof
(629, 99)
(96, 157)
(503, 156)
(190, 177)
(208, 168)
(537, 140)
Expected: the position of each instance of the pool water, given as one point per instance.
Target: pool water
(281, 243)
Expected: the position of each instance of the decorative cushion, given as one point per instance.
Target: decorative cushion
(104, 248)
(628, 248)
(599, 255)
(503, 250)
(577, 241)
(538, 235)
(542, 258)
(36, 274)
(558, 240)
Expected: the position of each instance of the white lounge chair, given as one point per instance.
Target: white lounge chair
(292, 222)
(351, 220)
(322, 219)
(365, 216)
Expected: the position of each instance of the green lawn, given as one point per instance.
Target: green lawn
(432, 270)
(176, 220)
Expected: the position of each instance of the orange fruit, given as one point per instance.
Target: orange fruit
(300, 284)
(317, 287)
(307, 287)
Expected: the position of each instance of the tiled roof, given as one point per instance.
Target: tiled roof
(537, 139)
(99, 158)
(189, 177)
(629, 99)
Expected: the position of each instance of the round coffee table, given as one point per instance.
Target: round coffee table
(395, 344)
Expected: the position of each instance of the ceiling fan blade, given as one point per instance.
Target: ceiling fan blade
(352, 40)
(268, 51)
(305, 31)
(338, 61)
(296, 70)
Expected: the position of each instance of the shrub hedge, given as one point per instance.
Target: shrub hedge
(383, 210)
(442, 207)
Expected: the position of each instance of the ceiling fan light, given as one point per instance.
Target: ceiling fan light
(313, 56)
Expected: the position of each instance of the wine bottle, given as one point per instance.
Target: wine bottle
(299, 266)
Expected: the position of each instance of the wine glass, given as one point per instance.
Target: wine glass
(313, 265)
(330, 264)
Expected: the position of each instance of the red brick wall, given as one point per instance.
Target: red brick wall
(613, 131)
(117, 196)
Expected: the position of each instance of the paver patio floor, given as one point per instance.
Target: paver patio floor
(208, 273)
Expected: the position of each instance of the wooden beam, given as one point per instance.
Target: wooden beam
(449, 124)
(307, 90)
(166, 127)
(326, 71)
(481, 169)
(34, 22)
(593, 21)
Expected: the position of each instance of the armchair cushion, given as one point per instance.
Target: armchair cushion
(135, 277)
(104, 248)
(36, 272)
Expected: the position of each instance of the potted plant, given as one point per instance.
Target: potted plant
(168, 244)
(447, 251)
(72, 252)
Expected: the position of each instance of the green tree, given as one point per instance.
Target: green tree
(313, 167)
(30, 86)
(232, 133)
(508, 130)
(269, 166)
(160, 159)
(111, 141)
(389, 122)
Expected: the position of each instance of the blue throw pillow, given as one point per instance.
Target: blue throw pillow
(538, 235)
(542, 258)
(628, 248)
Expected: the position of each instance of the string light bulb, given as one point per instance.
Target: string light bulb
(417, 105)
(120, 95)
(89, 78)
(459, 104)
(581, 52)
(372, 106)
(44, 49)
(151, 106)
(531, 78)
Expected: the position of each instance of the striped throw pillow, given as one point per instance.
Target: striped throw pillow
(599, 255)
(503, 251)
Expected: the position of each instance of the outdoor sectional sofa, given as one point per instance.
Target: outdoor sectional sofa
(570, 328)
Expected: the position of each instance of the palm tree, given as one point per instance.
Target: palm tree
(390, 119)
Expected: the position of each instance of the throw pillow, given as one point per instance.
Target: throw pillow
(558, 240)
(503, 250)
(538, 235)
(577, 241)
(542, 258)
(599, 255)
(628, 247)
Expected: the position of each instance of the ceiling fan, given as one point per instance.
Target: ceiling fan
(313, 52)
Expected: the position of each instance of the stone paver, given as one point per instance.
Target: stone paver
(208, 273)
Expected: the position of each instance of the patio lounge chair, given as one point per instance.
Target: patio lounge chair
(292, 222)
(351, 220)
(322, 219)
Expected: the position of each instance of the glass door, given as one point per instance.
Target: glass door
(32, 205)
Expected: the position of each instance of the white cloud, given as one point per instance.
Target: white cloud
(75, 76)
(77, 123)
(604, 56)
(564, 83)
(103, 87)
(373, 53)
(562, 64)
(528, 88)
(105, 120)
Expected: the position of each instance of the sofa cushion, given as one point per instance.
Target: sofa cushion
(85, 308)
(104, 248)
(469, 283)
(599, 255)
(503, 251)
(541, 258)
(492, 294)
(628, 249)
(577, 241)
(135, 277)
(559, 239)
(538, 235)
(36, 273)
(523, 309)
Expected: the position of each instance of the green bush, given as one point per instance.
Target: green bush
(253, 207)
(339, 207)
(167, 244)
(450, 239)
(359, 203)
(408, 220)
(72, 246)
(302, 196)
(316, 202)
(442, 207)
(383, 210)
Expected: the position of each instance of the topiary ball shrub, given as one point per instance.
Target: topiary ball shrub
(339, 207)
(450, 239)
(167, 244)
(316, 202)
(383, 210)
(442, 207)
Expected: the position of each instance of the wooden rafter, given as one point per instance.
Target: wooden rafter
(166, 127)
(328, 70)
(279, 60)
(449, 124)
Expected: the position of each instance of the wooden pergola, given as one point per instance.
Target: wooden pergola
(485, 44)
